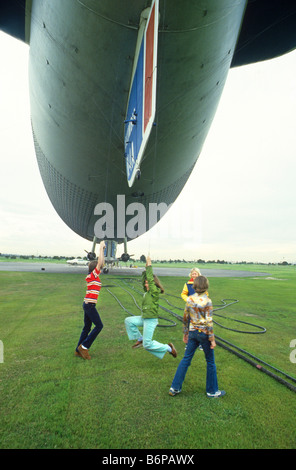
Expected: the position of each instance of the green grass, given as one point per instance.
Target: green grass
(119, 400)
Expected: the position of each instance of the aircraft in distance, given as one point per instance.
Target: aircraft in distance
(123, 94)
(77, 262)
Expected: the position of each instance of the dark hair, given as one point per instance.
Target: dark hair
(91, 266)
(158, 283)
(201, 284)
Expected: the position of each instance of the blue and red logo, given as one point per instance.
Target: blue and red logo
(142, 98)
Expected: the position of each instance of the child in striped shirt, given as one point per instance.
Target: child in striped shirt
(91, 315)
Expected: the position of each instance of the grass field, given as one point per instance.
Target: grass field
(119, 400)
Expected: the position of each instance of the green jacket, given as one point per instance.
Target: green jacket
(151, 297)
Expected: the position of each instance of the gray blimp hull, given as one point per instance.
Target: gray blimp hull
(81, 62)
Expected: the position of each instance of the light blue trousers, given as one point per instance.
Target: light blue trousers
(132, 325)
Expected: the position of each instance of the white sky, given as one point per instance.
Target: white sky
(244, 178)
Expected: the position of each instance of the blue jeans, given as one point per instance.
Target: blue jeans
(196, 338)
(90, 316)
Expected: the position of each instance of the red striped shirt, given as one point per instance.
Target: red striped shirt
(93, 286)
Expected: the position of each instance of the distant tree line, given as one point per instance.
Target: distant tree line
(202, 261)
(12, 256)
(143, 260)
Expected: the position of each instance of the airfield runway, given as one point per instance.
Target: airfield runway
(121, 271)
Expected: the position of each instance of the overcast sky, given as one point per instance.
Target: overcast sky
(245, 175)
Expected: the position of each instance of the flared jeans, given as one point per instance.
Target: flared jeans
(132, 325)
(91, 316)
(196, 338)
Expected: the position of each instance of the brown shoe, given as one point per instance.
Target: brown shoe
(174, 351)
(77, 353)
(138, 344)
(83, 352)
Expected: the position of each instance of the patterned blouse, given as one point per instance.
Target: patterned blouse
(198, 315)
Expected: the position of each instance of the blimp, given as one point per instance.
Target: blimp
(123, 94)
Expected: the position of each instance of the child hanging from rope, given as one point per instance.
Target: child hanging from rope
(149, 318)
(91, 315)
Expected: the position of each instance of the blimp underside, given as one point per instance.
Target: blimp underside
(81, 62)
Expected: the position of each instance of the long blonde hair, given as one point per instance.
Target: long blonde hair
(195, 270)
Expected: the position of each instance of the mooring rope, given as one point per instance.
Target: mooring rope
(230, 347)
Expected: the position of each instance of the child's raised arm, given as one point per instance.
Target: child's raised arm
(101, 258)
